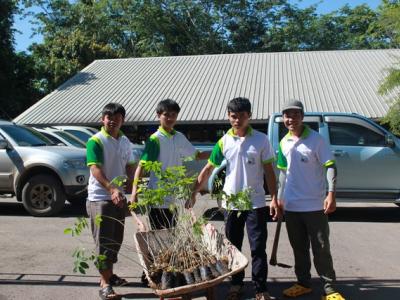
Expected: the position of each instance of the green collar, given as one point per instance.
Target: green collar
(249, 132)
(107, 135)
(166, 133)
(306, 132)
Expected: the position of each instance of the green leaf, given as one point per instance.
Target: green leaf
(98, 219)
(68, 231)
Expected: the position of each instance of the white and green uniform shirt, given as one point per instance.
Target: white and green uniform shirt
(112, 155)
(171, 149)
(245, 158)
(304, 160)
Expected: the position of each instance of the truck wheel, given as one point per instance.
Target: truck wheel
(43, 196)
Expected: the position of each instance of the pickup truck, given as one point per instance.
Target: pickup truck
(367, 155)
(40, 174)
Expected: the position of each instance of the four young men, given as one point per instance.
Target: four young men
(303, 159)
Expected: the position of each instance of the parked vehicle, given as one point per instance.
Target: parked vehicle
(39, 173)
(367, 155)
(61, 138)
(81, 132)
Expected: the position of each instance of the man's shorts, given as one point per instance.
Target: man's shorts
(109, 234)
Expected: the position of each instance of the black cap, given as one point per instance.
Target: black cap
(293, 104)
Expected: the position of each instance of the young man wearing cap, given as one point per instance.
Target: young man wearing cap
(306, 162)
(250, 157)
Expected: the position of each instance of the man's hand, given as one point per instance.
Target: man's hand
(329, 203)
(117, 197)
(274, 210)
(190, 203)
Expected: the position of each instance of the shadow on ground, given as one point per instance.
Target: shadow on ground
(351, 288)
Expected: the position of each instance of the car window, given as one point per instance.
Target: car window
(94, 131)
(283, 130)
(346, 134)
(25, 136)
(79, 134)
(53, 139)
(71, 139)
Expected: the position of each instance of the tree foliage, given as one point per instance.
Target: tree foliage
(390, 21)
(16, 70)
(77, 32)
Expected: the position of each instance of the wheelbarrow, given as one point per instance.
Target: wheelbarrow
(215, 243)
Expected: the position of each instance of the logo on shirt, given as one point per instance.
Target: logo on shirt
(304, 159)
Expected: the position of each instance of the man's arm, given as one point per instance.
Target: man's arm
(281, 184)
(135, 181)
(130, 173)
(116, 196)
(330, 200)
(201, 180)
(270, 178)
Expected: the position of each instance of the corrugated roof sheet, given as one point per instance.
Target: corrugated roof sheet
(339, 81)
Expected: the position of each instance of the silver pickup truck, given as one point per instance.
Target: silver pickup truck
(367, 155)
(39, 174)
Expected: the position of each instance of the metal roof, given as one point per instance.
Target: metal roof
(336, 81)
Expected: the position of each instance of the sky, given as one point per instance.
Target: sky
(24, 38)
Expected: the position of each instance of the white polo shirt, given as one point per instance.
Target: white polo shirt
(171, 149)
(112, 155)
(245, 158)
(304, 160)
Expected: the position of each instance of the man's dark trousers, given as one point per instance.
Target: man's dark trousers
(256, 225)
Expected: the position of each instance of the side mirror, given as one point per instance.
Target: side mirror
(4, 144)
(389, 141)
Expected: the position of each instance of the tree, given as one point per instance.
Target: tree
(16, 73)
(390, 20)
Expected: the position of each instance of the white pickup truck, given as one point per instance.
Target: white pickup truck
(40, 174)
(367, 155)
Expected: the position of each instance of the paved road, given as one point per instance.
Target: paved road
(36, 260)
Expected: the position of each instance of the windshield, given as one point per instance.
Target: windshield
(24, 136)
(71, 139)
(83, 136)
(55, 140)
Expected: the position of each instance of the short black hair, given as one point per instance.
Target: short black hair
(113, 108)
(239, 104)
(167, 105)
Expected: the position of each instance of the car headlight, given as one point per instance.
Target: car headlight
(78, 163)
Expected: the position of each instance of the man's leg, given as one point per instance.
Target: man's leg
(300, 242)
(234, 231)
(318, 228)
(256, 224)
(101, 235)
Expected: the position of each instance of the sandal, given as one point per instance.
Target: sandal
(107, 293)
(234, 292)
(297, 290)
(115, 280)
(333, 296)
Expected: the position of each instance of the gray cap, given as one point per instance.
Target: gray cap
(293, 104)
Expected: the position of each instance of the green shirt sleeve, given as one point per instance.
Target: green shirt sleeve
(94, 152)
(282, 162)
(217, 156)
(151, 149)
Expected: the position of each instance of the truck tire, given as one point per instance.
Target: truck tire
(43, 196)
